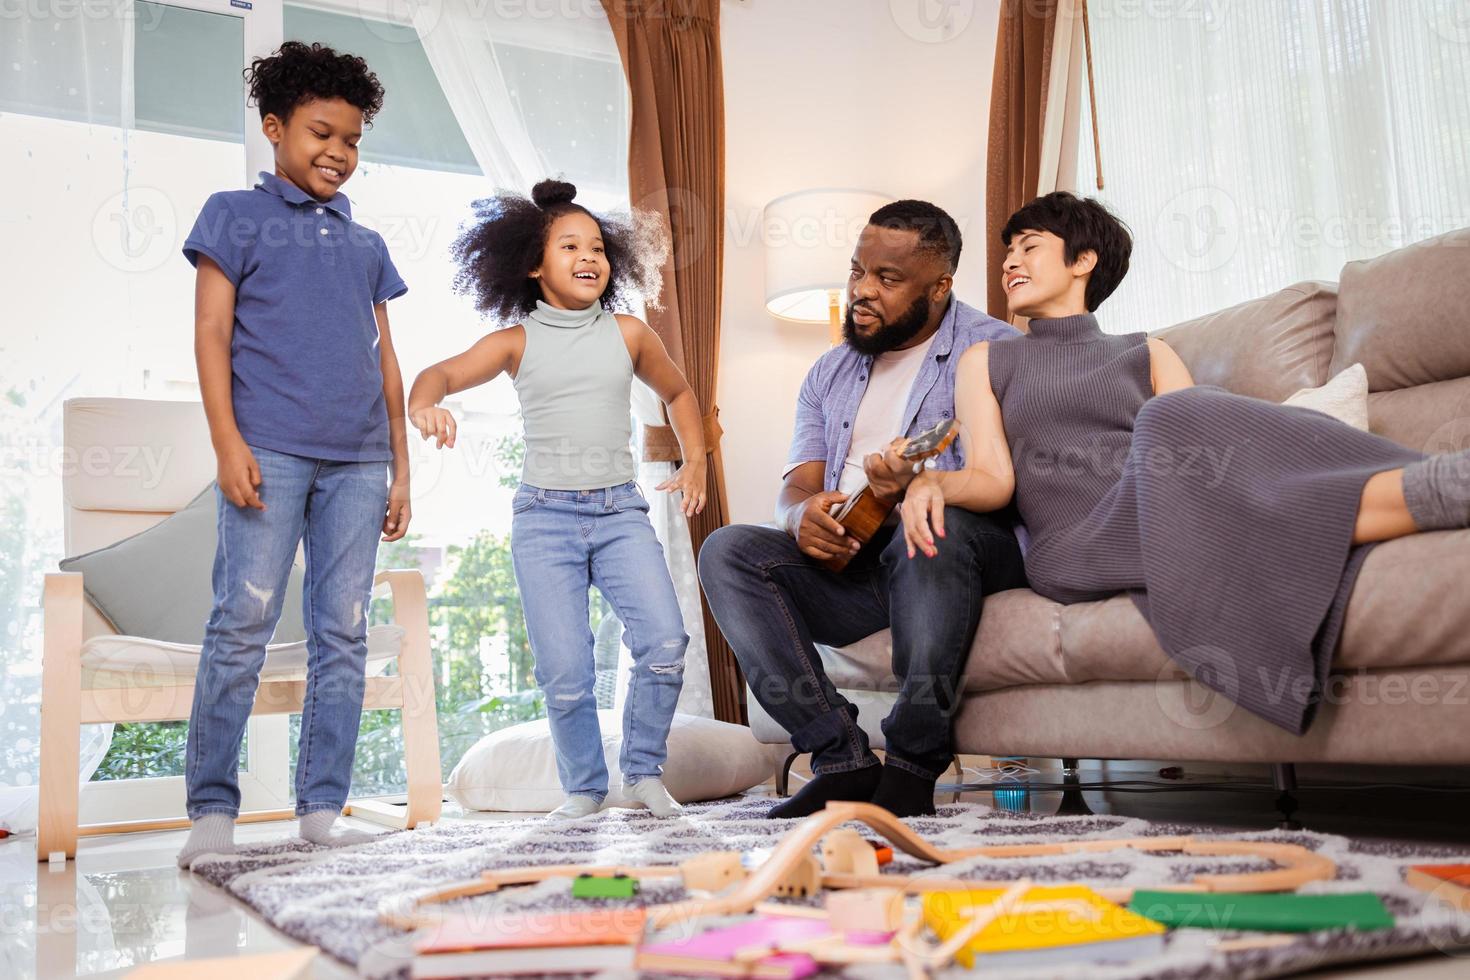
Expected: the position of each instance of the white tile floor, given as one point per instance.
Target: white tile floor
(122, 903)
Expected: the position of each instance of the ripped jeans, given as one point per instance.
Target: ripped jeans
(338, 509)
(563, 542)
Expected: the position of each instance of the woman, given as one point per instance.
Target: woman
(1238, 526)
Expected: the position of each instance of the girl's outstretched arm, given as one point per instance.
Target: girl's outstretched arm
(654, 367)
(491, 355)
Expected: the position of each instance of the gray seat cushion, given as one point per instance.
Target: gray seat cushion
(1399, 617)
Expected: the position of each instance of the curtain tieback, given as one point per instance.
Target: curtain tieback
(660, 445)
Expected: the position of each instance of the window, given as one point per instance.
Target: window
(116, 157)
(1272, 143)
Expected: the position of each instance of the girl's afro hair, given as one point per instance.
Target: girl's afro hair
(498, 250)
(298, 72)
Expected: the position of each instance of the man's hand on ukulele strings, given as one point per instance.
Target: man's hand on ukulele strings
(817, 532)
(889, 474)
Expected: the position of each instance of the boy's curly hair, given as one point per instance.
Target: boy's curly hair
(297, 72)
(498, 250)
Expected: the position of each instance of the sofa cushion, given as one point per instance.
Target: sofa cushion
(1267, 347)
(1405, 611)
(132, 661)
(1344, 397)
(1398, 617)
(1403, 315)
(1432, 418)
(157, 584)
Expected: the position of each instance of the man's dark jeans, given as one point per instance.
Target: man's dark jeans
(773, 603)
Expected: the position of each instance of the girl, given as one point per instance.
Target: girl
(1238, 526)
(579, 517)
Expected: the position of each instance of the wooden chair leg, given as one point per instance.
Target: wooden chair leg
(61, 732)
(420, 719)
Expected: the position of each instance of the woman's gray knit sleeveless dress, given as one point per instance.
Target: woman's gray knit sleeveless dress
(1228, 520)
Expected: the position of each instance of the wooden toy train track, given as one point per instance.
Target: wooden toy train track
(849, 862)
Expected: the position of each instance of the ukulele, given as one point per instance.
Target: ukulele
(864, 512)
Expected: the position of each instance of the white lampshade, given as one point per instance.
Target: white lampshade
(809, 237)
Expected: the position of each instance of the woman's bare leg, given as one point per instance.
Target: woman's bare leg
(1382, 513)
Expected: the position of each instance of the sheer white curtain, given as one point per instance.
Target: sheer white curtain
(1257, 143)
(539, 91)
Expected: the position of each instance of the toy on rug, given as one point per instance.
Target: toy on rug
(791, 869)
(604, 886)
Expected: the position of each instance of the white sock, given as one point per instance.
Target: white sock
(211, 833)
(576, 807)
(316, 828)
(652, 794)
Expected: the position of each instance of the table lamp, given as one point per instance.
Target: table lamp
(809, 237)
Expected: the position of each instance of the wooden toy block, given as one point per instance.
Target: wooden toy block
(866, 910)
(713, 871)
(844, 851)
(801, 879)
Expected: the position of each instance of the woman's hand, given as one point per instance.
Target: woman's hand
(923, 514)
(434, 422)
(690, 481)
(238, 474)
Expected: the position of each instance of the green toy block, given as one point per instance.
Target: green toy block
(595, 886)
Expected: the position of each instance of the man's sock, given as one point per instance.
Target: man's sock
(1437, 491)
(855, 785)
(316, 828)
(904, 793)
(211, 833)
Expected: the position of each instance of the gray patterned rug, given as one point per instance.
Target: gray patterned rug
(329, 898)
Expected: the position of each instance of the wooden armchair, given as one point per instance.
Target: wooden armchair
(106, 503)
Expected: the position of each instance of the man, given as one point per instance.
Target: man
(773, 599)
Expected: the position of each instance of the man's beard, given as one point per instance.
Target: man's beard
(890, 336)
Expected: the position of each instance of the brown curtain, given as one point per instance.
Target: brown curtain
(1017, 115)
(676, 167)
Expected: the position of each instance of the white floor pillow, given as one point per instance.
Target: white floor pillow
(515, 768)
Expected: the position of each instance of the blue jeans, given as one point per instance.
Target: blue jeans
(773, 603)
(338, 508)
(562, 543)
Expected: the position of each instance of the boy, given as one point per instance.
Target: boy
(305, 406)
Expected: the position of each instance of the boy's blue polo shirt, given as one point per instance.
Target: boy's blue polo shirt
(307, 373)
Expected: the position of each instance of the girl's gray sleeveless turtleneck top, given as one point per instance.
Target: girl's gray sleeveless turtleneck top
(575, 387)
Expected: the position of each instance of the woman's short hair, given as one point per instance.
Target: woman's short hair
(1083, 225)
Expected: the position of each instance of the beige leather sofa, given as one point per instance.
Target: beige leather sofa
(1089, 681)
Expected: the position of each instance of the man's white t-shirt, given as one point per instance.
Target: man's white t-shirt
(880, 413)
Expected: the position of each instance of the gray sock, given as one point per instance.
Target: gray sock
(1437, 491)
(211, 833)
(316, 828)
